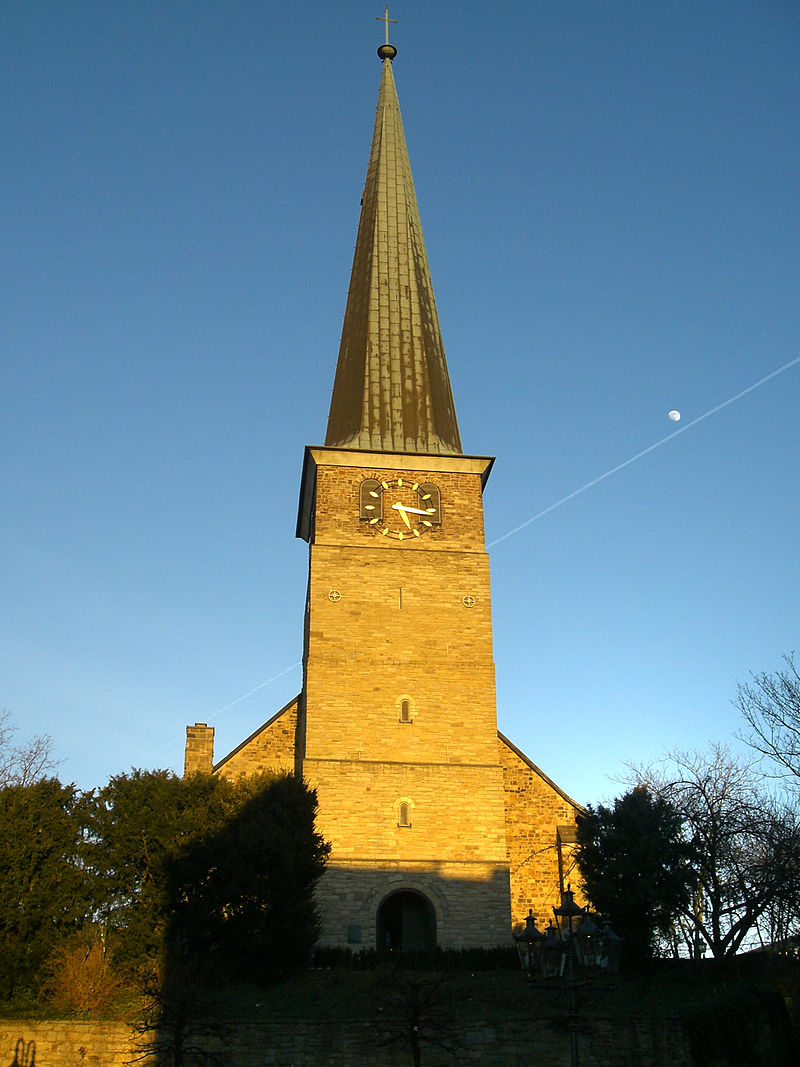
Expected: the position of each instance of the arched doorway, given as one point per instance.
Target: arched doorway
(406, 922)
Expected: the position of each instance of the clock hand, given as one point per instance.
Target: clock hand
(415, 511)
(404, 517)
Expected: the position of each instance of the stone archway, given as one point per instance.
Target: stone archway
(406, 922)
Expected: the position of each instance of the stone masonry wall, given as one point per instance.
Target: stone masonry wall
(405, 623)
(270, 748)
(199, 754)
(65, 1043)
(470, 900)
(537, 816)
(494, 1042)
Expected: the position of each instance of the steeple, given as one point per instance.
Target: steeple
(392, 390)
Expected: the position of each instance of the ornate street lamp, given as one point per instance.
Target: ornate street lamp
(589, 939)
(611, 948)
(553, 955)
(575, 943)
(529, 946)
(568, 915)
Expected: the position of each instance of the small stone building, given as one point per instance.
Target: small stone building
(442, 831)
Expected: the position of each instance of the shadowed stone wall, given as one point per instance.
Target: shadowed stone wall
(508, 1042)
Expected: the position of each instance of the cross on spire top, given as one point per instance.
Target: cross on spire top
(384, 18)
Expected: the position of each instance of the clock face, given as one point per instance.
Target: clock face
(399, 507)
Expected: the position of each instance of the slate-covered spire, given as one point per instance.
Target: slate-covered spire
(392, 390)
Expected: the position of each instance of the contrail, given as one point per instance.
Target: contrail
(650, 448)
(233, 703)
(261, 685)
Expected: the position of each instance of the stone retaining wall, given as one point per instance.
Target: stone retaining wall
(495, 1043)
(64, 1043)
(512, 1041)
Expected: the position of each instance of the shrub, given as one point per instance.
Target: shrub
(82, 977)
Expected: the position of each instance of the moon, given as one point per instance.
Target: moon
(674, 415)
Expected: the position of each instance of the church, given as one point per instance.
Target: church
(442, 831)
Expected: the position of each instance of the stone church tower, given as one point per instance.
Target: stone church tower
(442, 832)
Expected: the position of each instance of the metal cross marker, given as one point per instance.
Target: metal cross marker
(385, 20)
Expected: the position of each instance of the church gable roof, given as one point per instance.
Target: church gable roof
(271, 747)
(538, 771)
(392, 389)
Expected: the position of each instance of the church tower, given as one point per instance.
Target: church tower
(441, 830)
(397, 728)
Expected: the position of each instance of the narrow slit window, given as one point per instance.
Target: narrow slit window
(404, 815)
(405, 710)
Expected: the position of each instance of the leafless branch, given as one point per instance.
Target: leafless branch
(771, 707)
(27, 763)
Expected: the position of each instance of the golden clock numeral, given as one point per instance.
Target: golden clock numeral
(415, 486)
(416, 533)
(399, 481)
(385, 530)
(427, 522)
(385, 485)
(369, 507)
(430, 511)
(399, 535)
(373, 493)
(426, 496)
(373, 520)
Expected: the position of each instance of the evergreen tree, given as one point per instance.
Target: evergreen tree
(44, 890)
(636, 867)
(208, 871)
(143, 821)
(242, 897)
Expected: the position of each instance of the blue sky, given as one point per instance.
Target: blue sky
(610, 195)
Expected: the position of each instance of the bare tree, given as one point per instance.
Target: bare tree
(771, 708)
(179, 1023)
(781, 921)
(747, 847)
(417, 1010)
(27, 763)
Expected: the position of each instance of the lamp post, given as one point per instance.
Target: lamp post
(567, 917)
(576, 943)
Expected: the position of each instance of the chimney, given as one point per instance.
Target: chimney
(199, 757)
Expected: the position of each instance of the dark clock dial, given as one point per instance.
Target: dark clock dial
(399, 507)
